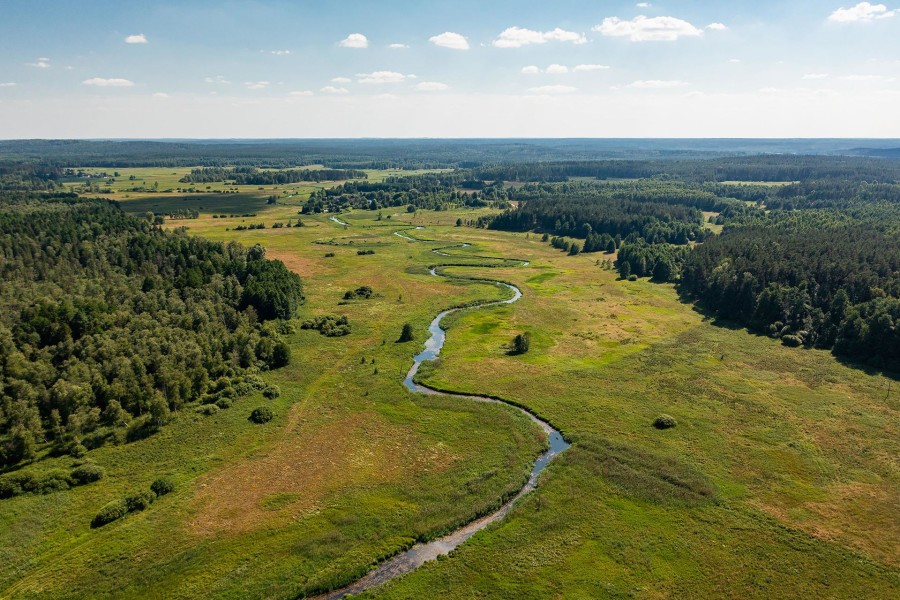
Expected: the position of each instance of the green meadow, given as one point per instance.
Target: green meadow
(779, 480)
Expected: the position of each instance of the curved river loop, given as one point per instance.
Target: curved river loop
(421, 553)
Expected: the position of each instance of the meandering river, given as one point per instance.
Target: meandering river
(419, 554)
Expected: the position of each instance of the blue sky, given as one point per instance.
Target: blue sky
(679, 68)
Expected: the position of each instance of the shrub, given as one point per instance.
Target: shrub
(271, 392)
(77, 451)
(261, 415)
(208, 409)
(664, 422)
(109, 513)
(407, 334)
(792, 341)
(87, 473)
(224, 403)
(139, 501)
(632, 277)
(54, 481)
(9, 487)
(162, 486)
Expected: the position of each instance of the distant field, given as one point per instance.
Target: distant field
(780, 479)
(157, 183)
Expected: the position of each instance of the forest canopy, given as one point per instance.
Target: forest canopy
(108, 324)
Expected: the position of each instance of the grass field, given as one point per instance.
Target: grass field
(780, 480)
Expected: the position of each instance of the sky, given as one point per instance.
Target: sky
(399, 68)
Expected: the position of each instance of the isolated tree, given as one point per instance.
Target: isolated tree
(459, 223)
(407, 334)
(521, 343)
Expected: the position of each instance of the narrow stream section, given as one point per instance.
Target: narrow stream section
(419, 554)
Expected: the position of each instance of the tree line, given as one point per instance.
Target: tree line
(253, 176)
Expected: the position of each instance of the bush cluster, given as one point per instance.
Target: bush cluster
(328, 325)
(140, 500)
(56, 480)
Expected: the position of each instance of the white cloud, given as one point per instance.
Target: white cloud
(815, 76)
(432, 86)
(516, 37)
(41, 63)
(398, 46)
(341, 80)
(864, 12)
(557, 69)
(734, 61)
(643, 5)
(256, 85)
(531, 70)
(300, 93)
(114, 82)
(8, 84)
(381, 77)
(161, 96)
(330, 89)
(138, 38)
(217, 79)
(648, 29)
(587, 68)
(553, 89)
(280, 52)
(355, 40)
(451, 40)
(655, 84)
(717, 26)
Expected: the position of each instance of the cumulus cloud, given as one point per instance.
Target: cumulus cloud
(341, 80)
(256, 85)
(8, 84)
(330, 89)
(41, 63)
(553, 89)
(557, 69)
(398, 46)
(864, 12)
(531, 70)
(114, 82)
(161, 96)
(648, 29)
(516, 37)
(451, 40)
(643, 5)
(717, 26)
(138, 38)
(587, 68)
(217, 79)
(280, 52)
(432, 86)
(381, 77)
(355, 40)
(655, 84)
(734, 61)
(300, 93)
